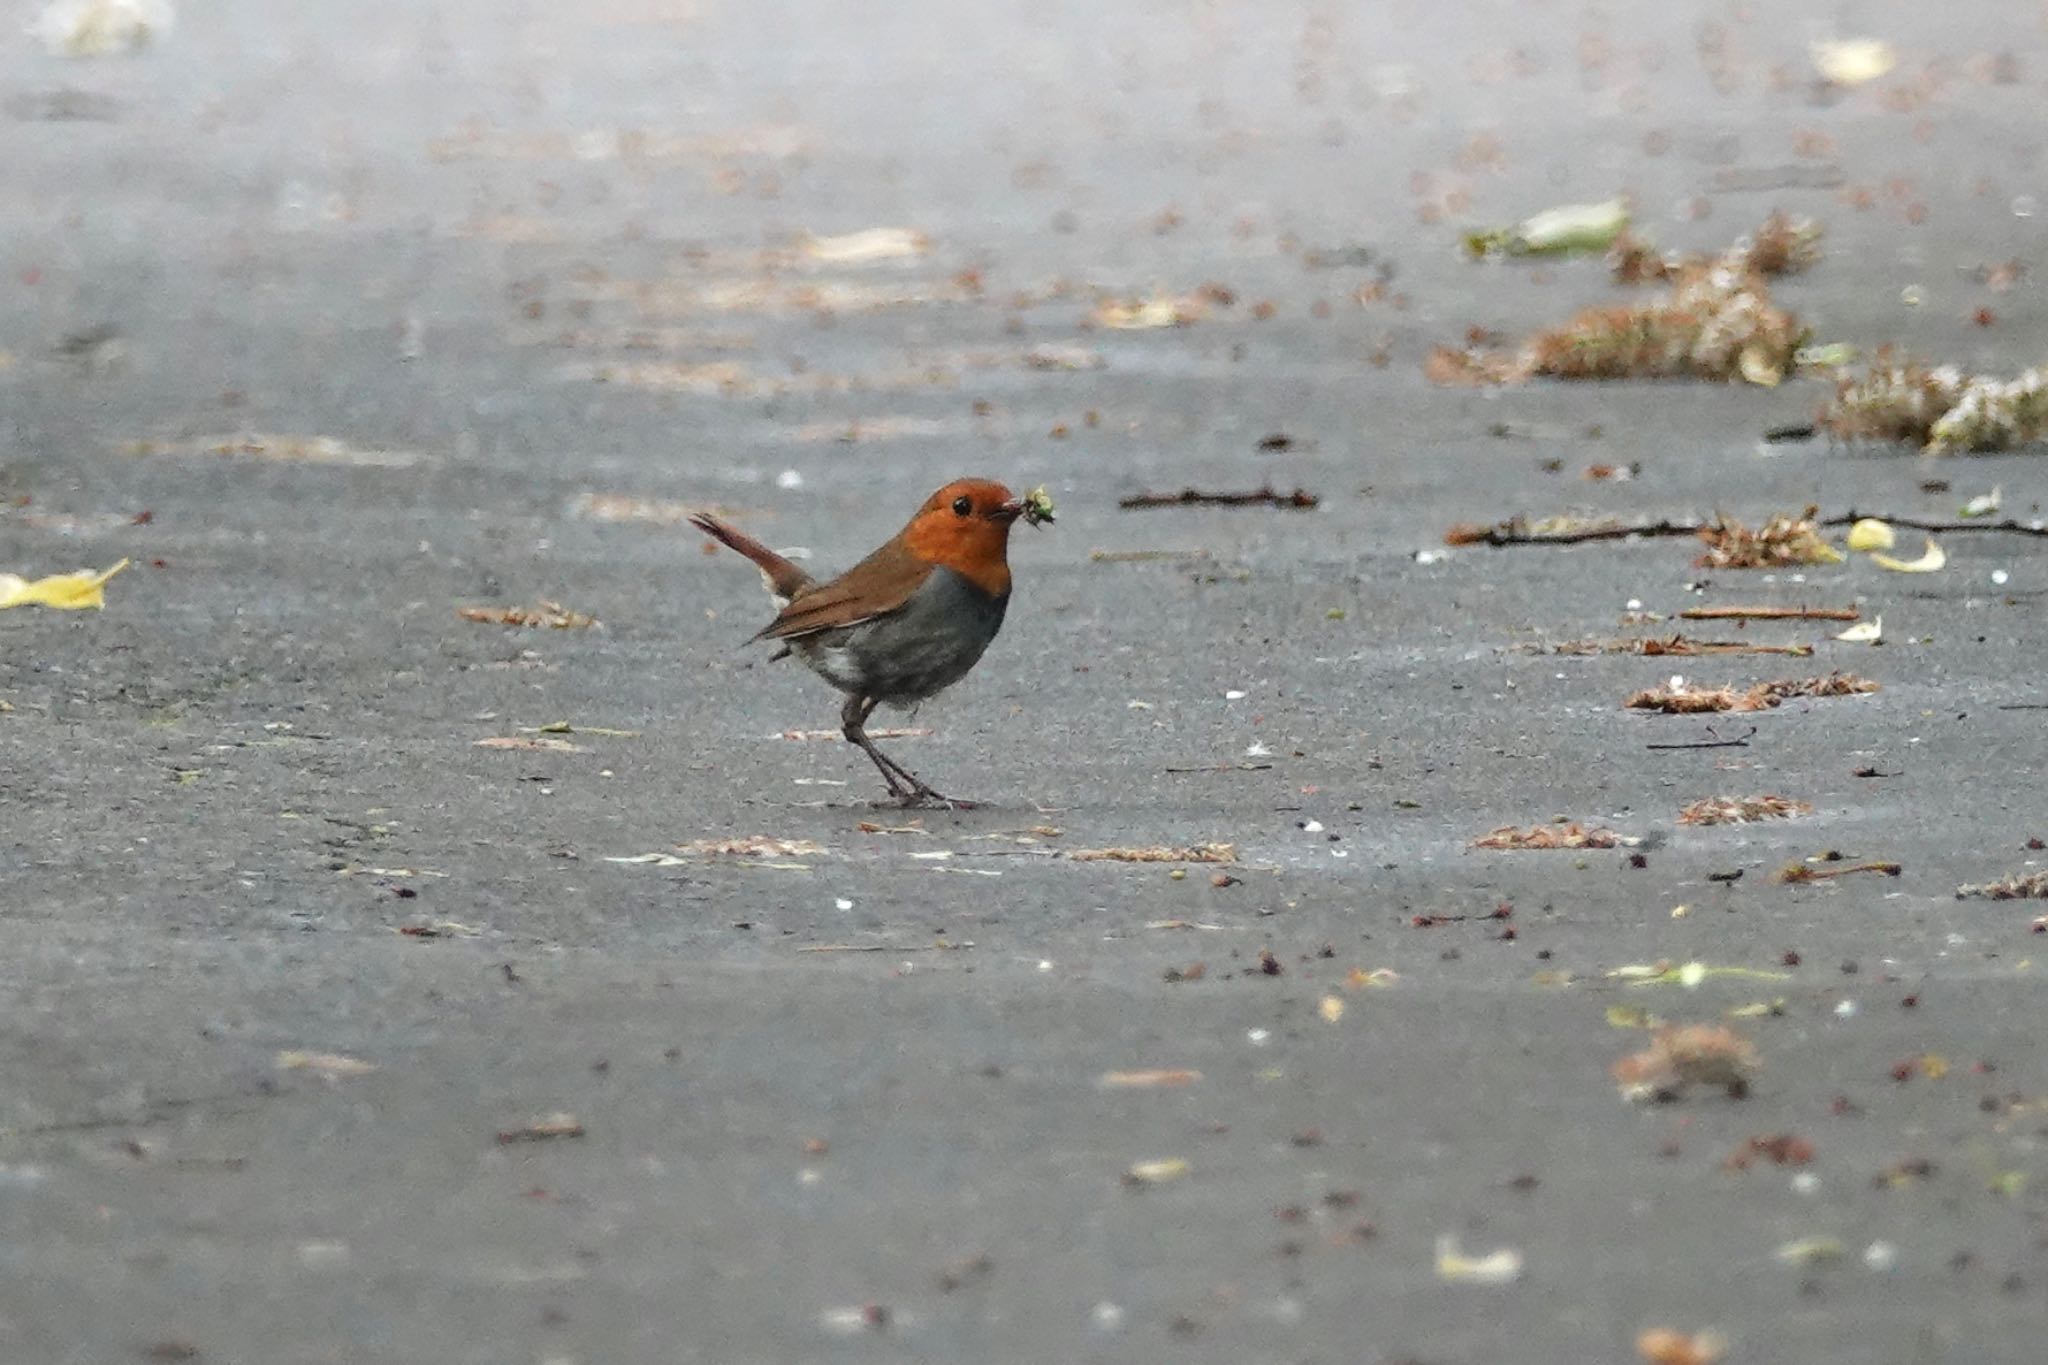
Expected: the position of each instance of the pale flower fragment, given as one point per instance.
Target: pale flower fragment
(1932, 560)
(1871, 534)
(1850, 62)
(1864, 633)
(1453, 1266)
(1156, 1172)
(874, 244)
(63, 591)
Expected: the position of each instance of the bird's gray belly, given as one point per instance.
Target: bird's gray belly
(921, 648)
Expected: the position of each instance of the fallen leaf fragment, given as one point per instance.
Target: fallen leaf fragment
(1932, 560)
(2016, 887)
(1156, 1172)
(63, 592)
(1811, 1251)
(1331, 1008)
(101, 28)
(1193, 853)
(1682, 1056)
(1688, 974)
(552, 615)
(1780, 1149)
(1038, 509)
(1569, 835)
(543, 1129)
(1157, 310)
(1864, 633)
(1667, 1346)
(1983, 505)
(1555, 232)
(1453, 1266)
(330, 1064)
(1871, 534)
(547, 742)
(873, 244)
(1147, 1080)
(1736, 810)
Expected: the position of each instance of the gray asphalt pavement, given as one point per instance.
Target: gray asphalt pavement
(333, 319)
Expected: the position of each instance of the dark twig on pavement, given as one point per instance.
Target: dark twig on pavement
(1771, 614)
(2015, 527)
(1741, 742)
(1512, 533)
(1267, 496)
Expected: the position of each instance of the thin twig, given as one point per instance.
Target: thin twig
(1771, 614)
(1224, 768)
(1267, 496)
(1741, 743)
(1507, 534)
(2016, 527)
(1800, 872)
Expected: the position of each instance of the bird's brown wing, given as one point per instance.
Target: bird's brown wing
(876, 586)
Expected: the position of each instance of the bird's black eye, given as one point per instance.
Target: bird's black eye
(962, 505)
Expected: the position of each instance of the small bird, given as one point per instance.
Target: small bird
(906, 622)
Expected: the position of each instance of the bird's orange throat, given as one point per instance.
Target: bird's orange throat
(975, 548)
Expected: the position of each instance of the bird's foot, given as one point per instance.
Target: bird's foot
(921, 797)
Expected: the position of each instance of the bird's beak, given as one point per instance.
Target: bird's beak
(1008, 511)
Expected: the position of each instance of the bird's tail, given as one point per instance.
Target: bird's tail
(785, 579)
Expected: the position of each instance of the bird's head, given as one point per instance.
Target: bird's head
(965, 527)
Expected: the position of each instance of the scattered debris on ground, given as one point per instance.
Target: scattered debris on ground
(547, 743)
(1715, 321)
(1679, 697)
(2019, 886)
(551, 615)
(1568, 835)
(1682, 1056)
(872, 244)
(1779, 1149)
(332, 1065)
(1147, 1080)
(1156, 1172)
(751, 846)
(1268, 496)
(1782, 542)
(1736, 810)
(1690, 975)
(1193, 853)
(1673, 645)
(86, 589)
(1781, 245)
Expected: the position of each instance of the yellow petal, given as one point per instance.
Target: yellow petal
(1331, 1008)
(1871, 534)
(1931, 560)
(1863, 633)
(1758, 367)
(63, 591)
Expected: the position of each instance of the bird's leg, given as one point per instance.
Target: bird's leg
(853, 724)
(906, 786)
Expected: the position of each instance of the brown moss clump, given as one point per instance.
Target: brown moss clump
(1685, 699)
(1782, 542)
(1939, 409)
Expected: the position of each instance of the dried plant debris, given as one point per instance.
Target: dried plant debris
(102, 28)
(1940, 409)
(861, 248)
(1715, 320)
(1779, 1149)
(1567, 834)
(1267, 496)
(1808, 872)
(1157, 310)
(1781, 542)
(544, 1129)
(332, 1065)
(1555, 232)
(1770, 614)
(1673, 645)
(1682, 1056)
(1193, 853)
(751, 846)
(1147, 1080)
(1562, 530)
(1679, 697)
(2020, 886)
(552, 615)
(81, 591)
(1739, 810)
(1782, 245)
(1667, 1346)
(1156, 1172)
